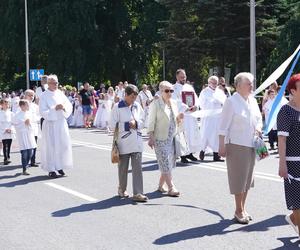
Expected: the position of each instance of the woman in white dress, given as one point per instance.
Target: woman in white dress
(78, 116)
(103, 113)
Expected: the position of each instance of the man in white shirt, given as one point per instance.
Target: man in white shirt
(211, 101)
(56, 148)
(191, 129)
(41, 89)
(120, 93)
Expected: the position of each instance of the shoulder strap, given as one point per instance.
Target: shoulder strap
(145, 94)
(116, 133)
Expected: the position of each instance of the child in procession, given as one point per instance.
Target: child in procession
(25, 134)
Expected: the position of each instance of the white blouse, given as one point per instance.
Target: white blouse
(240, 119)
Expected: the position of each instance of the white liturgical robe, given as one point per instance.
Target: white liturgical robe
(56, 148)
(211, 101)
(191, 128)
(25, 133)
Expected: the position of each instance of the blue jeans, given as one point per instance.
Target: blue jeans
(86, 109)
(25, 157)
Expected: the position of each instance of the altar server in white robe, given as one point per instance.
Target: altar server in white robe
(23, 121)
(56, 148)
(211, 101)
(191, 128)
(35, 114)
(145, 97)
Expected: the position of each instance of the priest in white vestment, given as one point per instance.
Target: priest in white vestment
(56, 148)
(211, 101)
(145, 97)
(188, 106)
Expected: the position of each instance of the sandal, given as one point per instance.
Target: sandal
(243, 220)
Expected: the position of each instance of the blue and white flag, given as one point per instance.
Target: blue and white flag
(276, 105)
(277, 73)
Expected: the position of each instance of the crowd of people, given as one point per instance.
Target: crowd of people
(228, 124)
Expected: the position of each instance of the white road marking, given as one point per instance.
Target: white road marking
(211, 166)
(70, 191)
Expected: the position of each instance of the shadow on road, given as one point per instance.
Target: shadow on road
(288, 244)
(104, 204)
(219, 229)
(10, 176)
(152, 167)
(24, 181)
(10, 167)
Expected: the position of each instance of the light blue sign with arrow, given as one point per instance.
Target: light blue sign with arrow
(35, 74)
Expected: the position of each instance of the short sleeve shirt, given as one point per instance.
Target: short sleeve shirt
(85, 96)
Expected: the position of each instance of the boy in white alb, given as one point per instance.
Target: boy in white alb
(25, 134)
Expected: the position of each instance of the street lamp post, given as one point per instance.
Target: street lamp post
(252, 41)
(27, 46)
(164, 64)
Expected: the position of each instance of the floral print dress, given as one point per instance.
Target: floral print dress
(165, 150)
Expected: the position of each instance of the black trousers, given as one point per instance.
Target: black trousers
(6, 148)
(273, 137)
(32, 160)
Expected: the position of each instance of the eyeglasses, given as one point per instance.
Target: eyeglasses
(169, 91)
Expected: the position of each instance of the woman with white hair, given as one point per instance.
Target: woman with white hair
(164, 120)
(240, 121)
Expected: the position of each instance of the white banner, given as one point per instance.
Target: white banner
(277, 73)
(206, 113)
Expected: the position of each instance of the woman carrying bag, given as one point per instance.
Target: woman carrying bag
(164, 122)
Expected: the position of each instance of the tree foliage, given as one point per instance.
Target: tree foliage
(95, 40)
(113, 40)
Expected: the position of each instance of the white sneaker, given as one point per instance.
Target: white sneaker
(288, 220)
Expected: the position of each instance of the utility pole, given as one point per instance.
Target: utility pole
(164, 65)
(252, 41)
(27, 46)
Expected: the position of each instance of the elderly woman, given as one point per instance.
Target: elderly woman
(163, 124)
(288, 125)
(128, 117)
(240, 121)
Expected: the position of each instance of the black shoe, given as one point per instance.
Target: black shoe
(25, 172)
(34, 165)
(52, 175)
(61, 172)
(184, 159)
(201, 155)
(6, 162)
(191, 157)
(217, 157)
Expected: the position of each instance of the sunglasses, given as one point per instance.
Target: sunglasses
(169, 90)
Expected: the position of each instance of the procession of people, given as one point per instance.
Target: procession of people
(180, 125)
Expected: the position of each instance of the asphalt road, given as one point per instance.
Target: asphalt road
(82, 211)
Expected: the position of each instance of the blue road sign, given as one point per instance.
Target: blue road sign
(35, 74)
